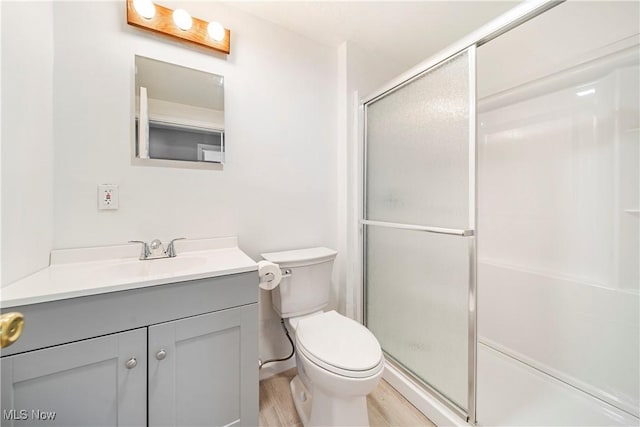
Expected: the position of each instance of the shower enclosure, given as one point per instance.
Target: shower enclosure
(503, 175)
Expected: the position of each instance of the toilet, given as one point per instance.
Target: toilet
(339, 361)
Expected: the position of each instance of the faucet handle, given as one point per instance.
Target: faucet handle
(171, 249)
(145, 252)
(155, 247)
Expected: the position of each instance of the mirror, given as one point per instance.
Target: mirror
(179, 113)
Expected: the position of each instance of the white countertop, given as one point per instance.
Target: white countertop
(91, 271)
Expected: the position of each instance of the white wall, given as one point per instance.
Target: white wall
(27, 141)
(280, 173)
(278, 188)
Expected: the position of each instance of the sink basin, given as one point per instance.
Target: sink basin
(174, 265)
(155, 267)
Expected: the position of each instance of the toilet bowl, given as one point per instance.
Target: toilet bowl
(339, 362)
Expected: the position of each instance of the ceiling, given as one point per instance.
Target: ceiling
(404, 31)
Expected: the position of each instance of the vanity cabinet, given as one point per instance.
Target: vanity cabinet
(195, 369)
(170, 355)
(101, 381)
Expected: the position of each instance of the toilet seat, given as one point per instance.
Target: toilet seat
(338, 371)
(339, 345)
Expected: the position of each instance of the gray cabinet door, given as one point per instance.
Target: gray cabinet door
(203, 370)
(86, 383)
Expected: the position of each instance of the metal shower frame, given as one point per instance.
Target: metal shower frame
(495, 28)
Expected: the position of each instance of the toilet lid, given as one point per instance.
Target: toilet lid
(334, 341)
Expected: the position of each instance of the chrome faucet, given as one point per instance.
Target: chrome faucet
(155, 250)
(145, 252)
(171, 248)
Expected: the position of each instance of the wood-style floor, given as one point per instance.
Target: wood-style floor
(386, 406)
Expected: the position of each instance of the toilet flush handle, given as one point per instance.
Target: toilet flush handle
(286, 273)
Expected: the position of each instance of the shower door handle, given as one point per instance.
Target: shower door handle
(437, 230)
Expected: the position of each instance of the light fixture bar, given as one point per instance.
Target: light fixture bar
(162, 22)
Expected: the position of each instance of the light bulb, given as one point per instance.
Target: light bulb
(216, 31)
(145, 8)
(182, 19)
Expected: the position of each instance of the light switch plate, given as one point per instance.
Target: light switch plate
(108, 197)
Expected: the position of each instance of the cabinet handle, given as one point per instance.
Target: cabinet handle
(131, 363)
(161, 355)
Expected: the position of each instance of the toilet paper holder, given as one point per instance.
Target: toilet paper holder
(285, 273)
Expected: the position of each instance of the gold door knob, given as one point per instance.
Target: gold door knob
(11, 325)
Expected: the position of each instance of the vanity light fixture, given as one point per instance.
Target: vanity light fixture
(179, 24)
(215, 31)
(145, 8)
(182, 19)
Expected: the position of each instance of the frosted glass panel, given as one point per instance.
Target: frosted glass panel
(417, 294)
(418, 150)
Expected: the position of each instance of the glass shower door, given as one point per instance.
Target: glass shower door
(419, 220)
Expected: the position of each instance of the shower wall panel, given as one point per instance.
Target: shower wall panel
(558, 224)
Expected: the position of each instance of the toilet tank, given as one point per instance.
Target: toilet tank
(306, 280)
